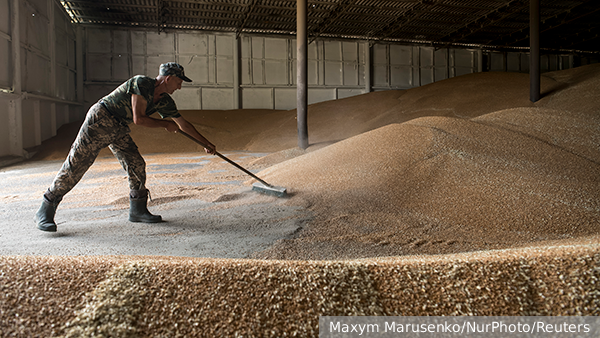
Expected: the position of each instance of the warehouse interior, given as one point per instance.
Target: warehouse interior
(429, 166)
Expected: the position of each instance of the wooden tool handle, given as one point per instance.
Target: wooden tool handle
(225, 158)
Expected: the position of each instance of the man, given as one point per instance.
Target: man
(106, 124)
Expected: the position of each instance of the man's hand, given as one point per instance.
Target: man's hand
(212, 150)
(189, 129)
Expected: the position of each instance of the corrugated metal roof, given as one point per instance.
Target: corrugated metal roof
(570, 25)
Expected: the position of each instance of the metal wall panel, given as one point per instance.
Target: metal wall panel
(5, 45)
(313, 72)
(138, 65)
(258, 98)
(160, 44)
(276, 72)
(192, 44)
(333, 63)
(399, 77)
(525, 63)
(320, 95)
(277, 49)
(464, 62)
(223, 56)
(344, 93)
(47, 127)
(223, 71)
(217, 98)
(403, 66)
(380, 65)
(427, 76)
(196, 67)
(257, 72)
(98, 68)
(188, 98)
(4, 126)
(426, 65)
(332, 50)
(497, 63)
(62, 48)
(37, 76)
(30, 124)
(5, 17)
(120, 42)
(285, 98)
(6, 73)
(41, 6)
(441, 64)
(35, 24)
(333, 73)
(98, 40)
(120, 69)
(351, 73)
(513, 62)
(138, 42)
(67, 79)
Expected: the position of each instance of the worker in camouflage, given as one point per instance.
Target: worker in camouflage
(106, 125)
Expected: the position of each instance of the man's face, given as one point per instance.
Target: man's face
(173, 83)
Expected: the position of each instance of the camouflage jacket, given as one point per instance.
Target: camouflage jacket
(118, 102)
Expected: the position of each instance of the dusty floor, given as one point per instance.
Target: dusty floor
(459, 197)
(215, 215)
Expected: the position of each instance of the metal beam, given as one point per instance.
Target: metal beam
(493, 16)
(569, 15)
(247, 13)
(330, 18)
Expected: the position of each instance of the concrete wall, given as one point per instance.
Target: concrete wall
(38, 74)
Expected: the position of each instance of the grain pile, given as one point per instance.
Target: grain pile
(456, 198)
(446, 184)
(190, 297)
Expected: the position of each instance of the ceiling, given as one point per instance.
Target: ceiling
(569, 25)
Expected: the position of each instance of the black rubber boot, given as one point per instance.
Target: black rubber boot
(138, 208)
(44, 217)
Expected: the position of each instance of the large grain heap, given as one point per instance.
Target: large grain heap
(456, 198)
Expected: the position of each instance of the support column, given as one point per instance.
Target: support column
(236, 72)
(534, 47)
(302, 73)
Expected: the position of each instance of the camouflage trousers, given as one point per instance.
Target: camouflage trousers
(99, 130)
